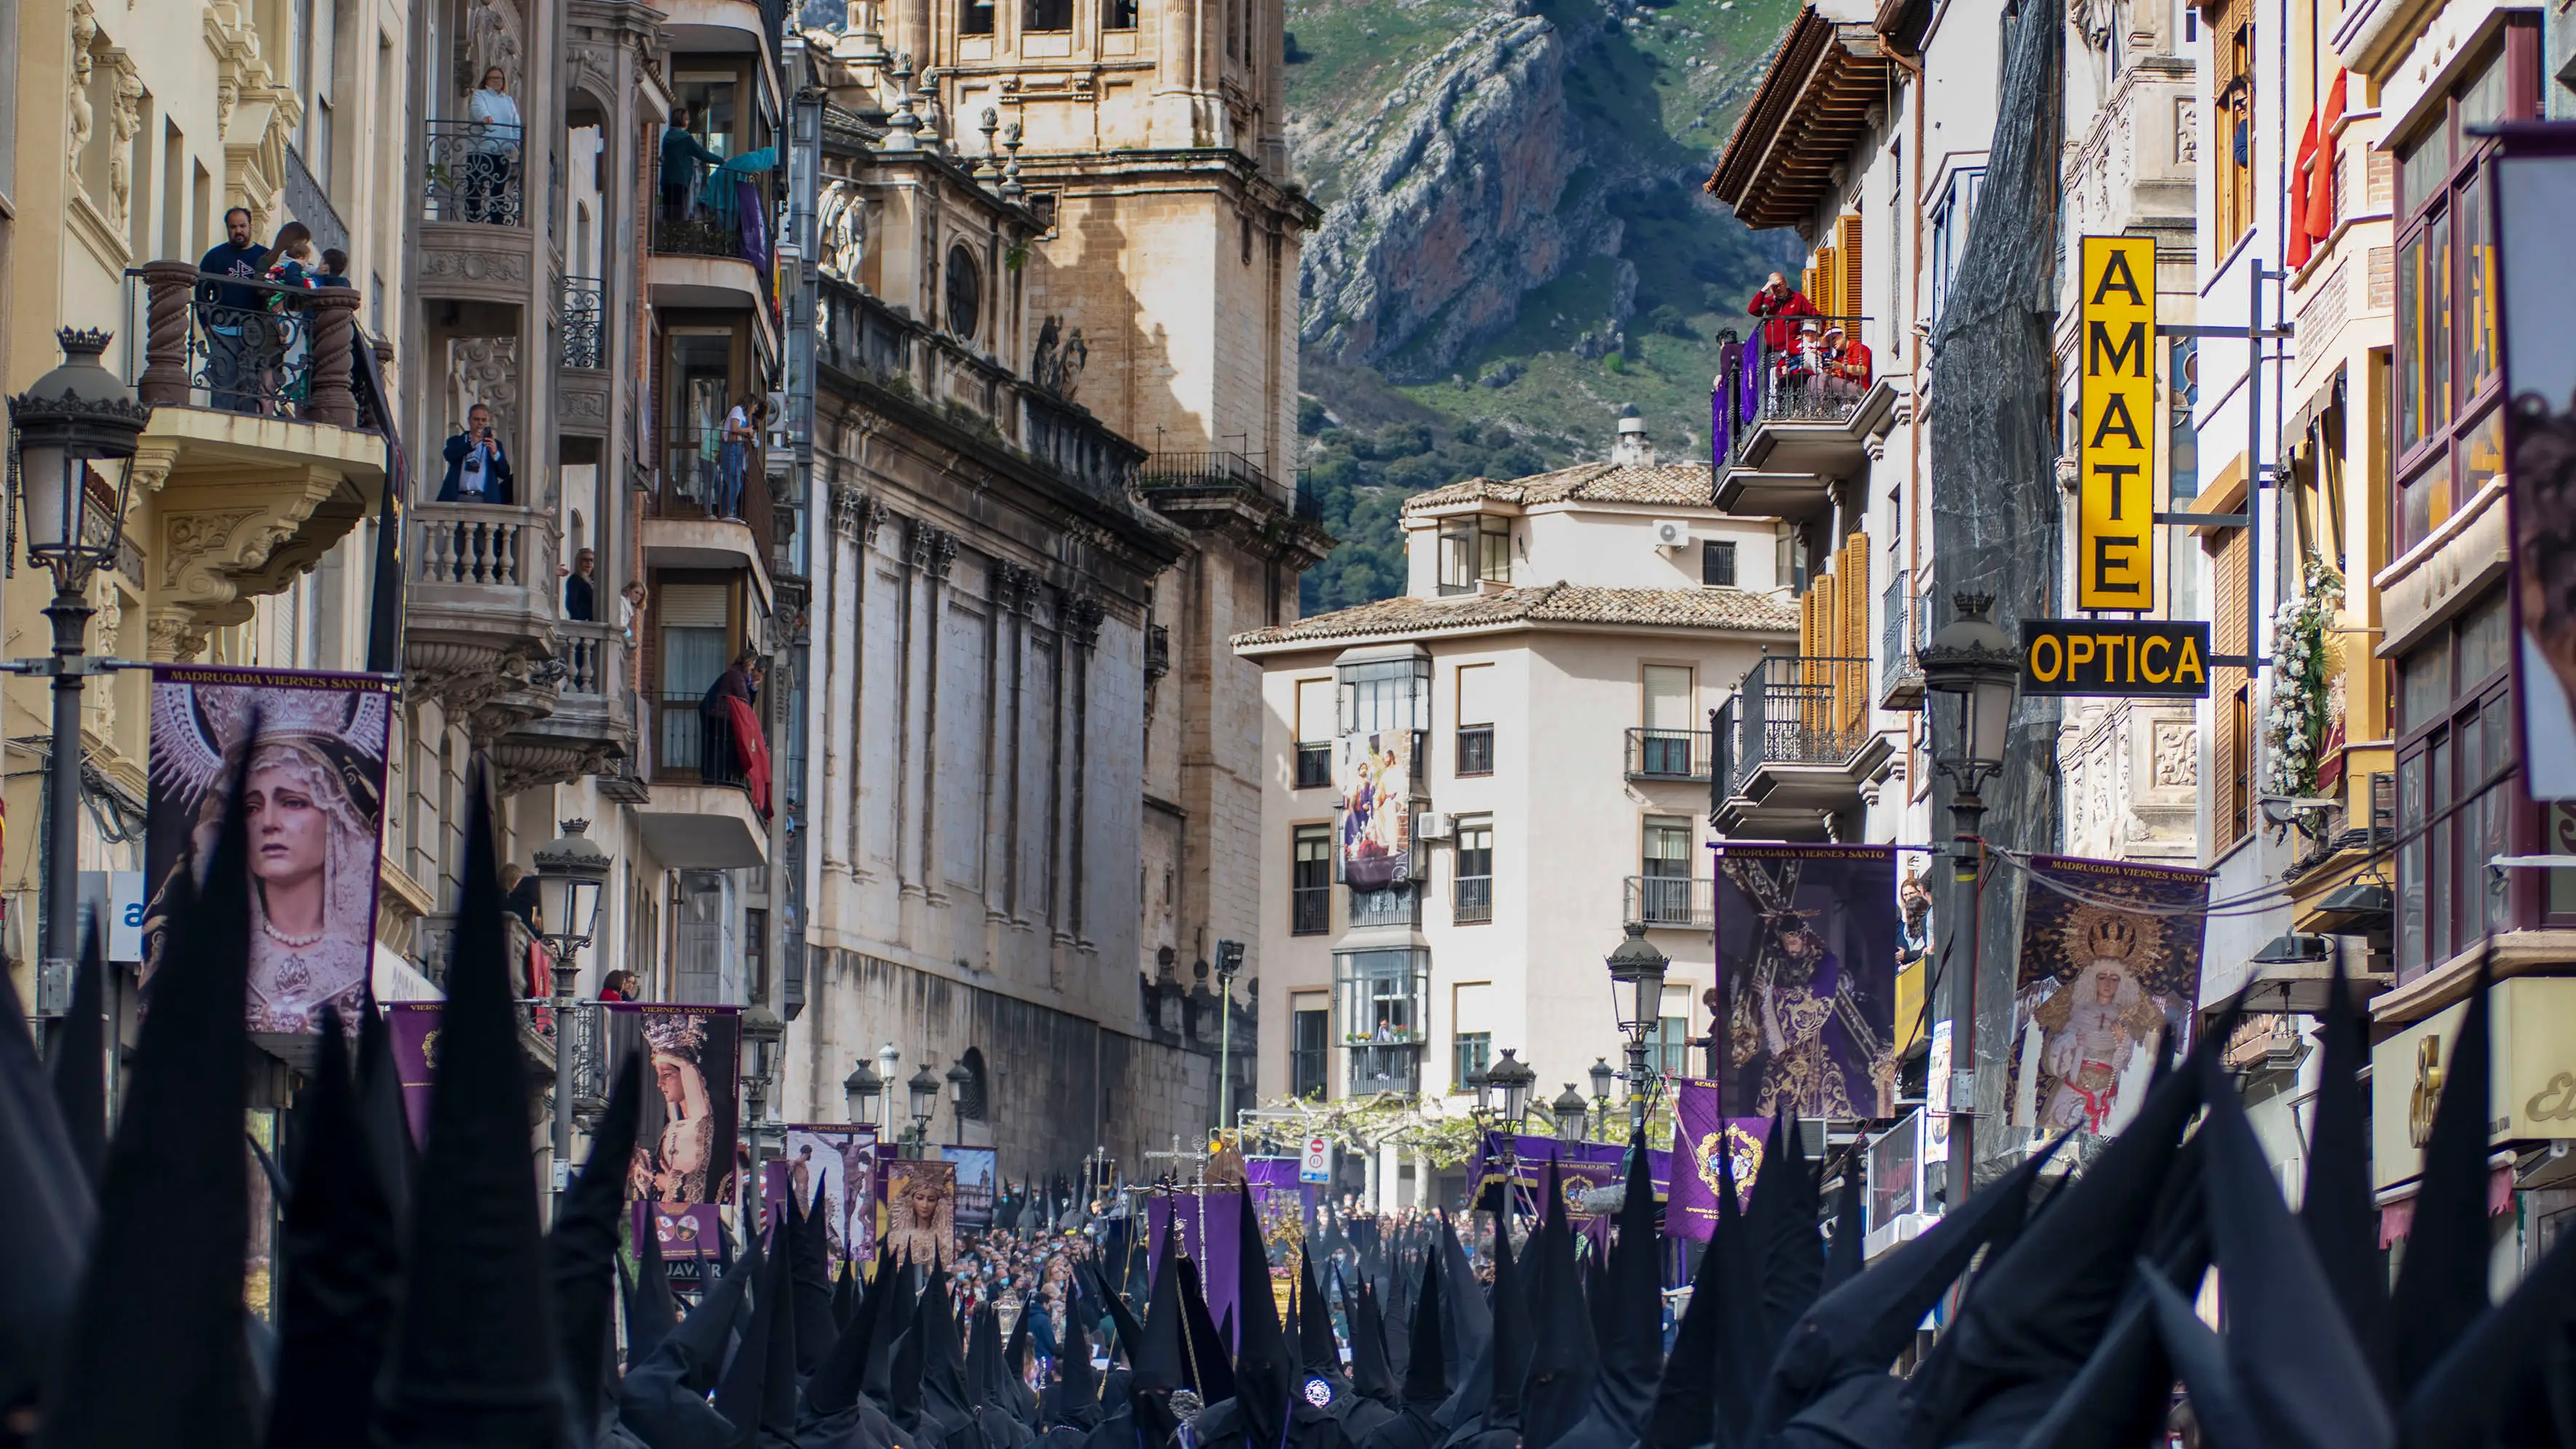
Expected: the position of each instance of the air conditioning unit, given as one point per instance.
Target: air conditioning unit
(1434, 825)
(1671, 533)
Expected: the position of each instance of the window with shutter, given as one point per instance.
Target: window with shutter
(2234, 745)
(1847, 291)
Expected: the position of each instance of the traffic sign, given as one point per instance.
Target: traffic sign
(1317, 1163)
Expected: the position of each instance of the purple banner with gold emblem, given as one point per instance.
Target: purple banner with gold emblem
(1701, 1140)
(413, 1025)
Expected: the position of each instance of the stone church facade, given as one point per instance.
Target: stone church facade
(1031, 761)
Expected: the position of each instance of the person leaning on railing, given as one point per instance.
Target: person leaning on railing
(287, 353)
(681, 151)
(226, 314)
(491, 167)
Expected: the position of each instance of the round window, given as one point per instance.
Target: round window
(965, 292)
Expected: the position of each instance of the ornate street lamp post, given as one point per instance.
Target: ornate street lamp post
(1637, 990)
(572, 873)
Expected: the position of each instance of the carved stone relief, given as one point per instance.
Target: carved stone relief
(2177, 759)
(492, 33)
(84, 118)
(486, 370)
(842, 222)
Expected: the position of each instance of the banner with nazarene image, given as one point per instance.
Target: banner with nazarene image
(1807, 942)
(684, 1144)
(2110, 957)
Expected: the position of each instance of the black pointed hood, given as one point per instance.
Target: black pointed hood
(1860, 1327)
(1632, 1351)
(1263, 1379)
(837, 1383)
(164, 1282)
(47, 1211)
(1123, 1323)
(776, 1419)
(1161, 1361)
(651, 1311)
(1471, 1319)
(1210, 1360)
(893, 1322)
(1426, 1382)
(2442, 1284)
(746, 1373)
(1075, 1396)
(1372, 1374)
(2303, 1373)
(2341, 1220)
(581, 1248)
(341, 1266)
(663, 1401)
(1685, 1399)
(845, 1296)
(1318, 1351)
(1509, 1351)
(380, 1107)
(474, 1357)
(1743, 1332)
(80, 1061)
(2473, 1388)
(1564, 1361)
(2217, 1397)
(1787, 1235)
(944, 1394)
(2035, 1312)
(816, 1327)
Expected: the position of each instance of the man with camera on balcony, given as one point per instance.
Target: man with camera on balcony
(478, 467)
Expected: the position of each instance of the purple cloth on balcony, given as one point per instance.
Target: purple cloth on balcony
(755, 224)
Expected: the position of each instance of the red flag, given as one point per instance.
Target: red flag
(2321, 197)
(2299, 240)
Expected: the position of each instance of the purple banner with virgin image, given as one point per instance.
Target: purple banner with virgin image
(1211, 1236)
(413, 1025)
(1701, 1140)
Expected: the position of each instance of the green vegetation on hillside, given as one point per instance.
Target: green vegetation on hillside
(1650, 94)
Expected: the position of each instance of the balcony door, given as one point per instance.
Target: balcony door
(690, 649)
(1665, 891)
(1667, 742)
(701, 373)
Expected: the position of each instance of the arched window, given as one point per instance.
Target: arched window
(978, 1089)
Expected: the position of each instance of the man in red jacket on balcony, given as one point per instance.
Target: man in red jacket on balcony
(1780, 305)
(1847, 365)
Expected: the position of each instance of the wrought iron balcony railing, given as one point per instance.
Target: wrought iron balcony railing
(1659, 754)
(1791, 710)
(581, 311)
(474, 172)
(1783, 374)
(1671, 900)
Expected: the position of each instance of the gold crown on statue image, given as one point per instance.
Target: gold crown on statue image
(2102, 933)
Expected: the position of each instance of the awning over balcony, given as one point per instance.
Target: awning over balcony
(1810, 111)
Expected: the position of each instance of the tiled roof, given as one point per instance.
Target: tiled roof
(1681, 485)
(1558, 603)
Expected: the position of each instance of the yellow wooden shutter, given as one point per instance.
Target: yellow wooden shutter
(1847, 292)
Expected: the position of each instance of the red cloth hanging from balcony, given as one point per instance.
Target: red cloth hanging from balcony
(2300, 243)
(2321, 180)
(751, 748)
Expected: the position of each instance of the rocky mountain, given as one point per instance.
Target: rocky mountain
(1515, 243)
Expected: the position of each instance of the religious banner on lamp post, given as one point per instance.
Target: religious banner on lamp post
(1706, 1144)
(2115, 412)
(976, 1169)
(2110, 957)
(1806, 965)
(921, 1212)
(314, 794)
(839, 1161)
(413, 1027)
(684, 1142)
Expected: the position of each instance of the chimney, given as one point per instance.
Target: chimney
(1632, 450)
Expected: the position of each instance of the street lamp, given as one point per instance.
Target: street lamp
(1603, 1074)
(959, 1081)
(76, 415)
(1970, 673)
(864, 1090)
(1637, 993)
(571, 873)
(761, 1030)
(1510, 1080)
(923, 1090)
(1570, 1111)
(1229, 960)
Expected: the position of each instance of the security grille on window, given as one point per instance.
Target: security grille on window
(1474, 549)
(1310, 1049)
(1314, 734)
(1475, 884)
(1717, 564)
(1475, 719)
(1310, 890)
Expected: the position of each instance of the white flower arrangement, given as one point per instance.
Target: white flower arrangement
(2297, 714)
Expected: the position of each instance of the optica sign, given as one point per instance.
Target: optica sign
(2150, 657)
